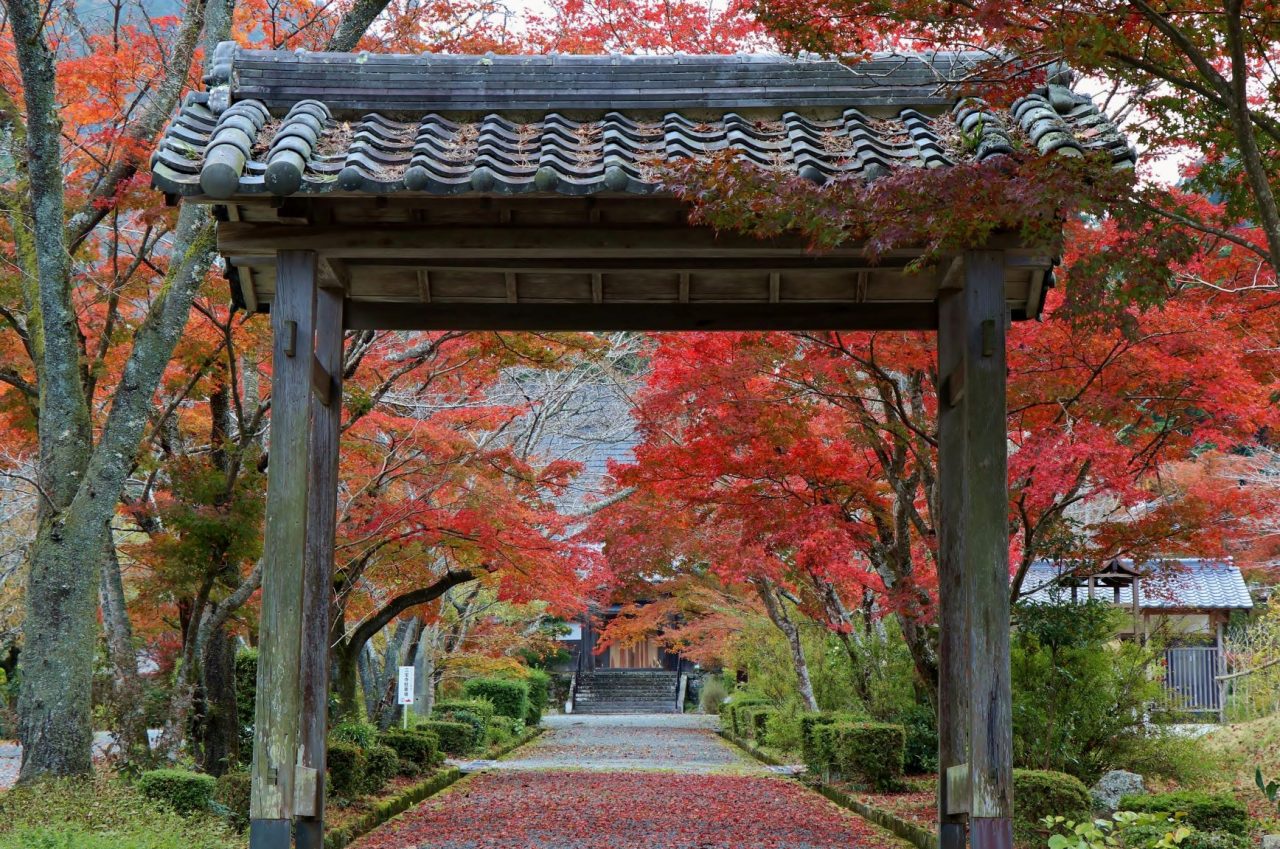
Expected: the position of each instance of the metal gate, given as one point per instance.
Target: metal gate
(1191, 679)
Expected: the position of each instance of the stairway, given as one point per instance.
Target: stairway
(627, 691)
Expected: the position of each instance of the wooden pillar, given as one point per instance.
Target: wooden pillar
(278, 711)
(953, 605)
(986, 553)
(975, 717)
(317, 590)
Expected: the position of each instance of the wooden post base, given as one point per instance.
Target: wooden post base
(991, 832)
(952, 835)
(309, 833)
(269, 834)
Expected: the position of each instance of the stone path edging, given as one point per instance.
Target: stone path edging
(916, 835)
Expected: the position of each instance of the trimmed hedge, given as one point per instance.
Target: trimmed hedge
(737, 712)
(815, 757)
(185, 792)
(232, 792)
(419, 746)
(509, 697)
(539, 694)
(1040, 793)
(381, 763)
(760, 719)
(868, 752)
(455, 738)
(1204, 811)
(921, 753)
(482, 708)
(347, 767)
(474, 712)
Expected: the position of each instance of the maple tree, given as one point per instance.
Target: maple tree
(804, 466)
(1195, 81)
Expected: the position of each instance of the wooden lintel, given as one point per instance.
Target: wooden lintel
(368, 315)
(418, 242)
(321, 381)
(957, 789)
(683, 294)
(775, 287)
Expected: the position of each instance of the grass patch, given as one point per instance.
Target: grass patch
(102, 813)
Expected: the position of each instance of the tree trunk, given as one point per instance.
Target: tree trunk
(126, 686)
(220, 737)
(778, 615)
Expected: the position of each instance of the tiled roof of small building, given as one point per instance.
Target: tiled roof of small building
(283, 123)
(1184, 584)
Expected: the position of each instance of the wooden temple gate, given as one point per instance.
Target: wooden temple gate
(520, 193)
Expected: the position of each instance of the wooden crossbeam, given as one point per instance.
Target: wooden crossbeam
(362, 315)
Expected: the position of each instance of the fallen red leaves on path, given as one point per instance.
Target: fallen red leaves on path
(633, 810)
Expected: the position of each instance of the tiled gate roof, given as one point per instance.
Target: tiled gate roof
(312, 123)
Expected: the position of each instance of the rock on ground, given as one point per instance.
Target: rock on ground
(1113, 787)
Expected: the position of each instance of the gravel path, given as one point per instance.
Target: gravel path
(627, 782)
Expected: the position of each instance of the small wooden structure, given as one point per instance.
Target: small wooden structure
(520, 192)
(1186, 600)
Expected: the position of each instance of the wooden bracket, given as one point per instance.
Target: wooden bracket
(321, 381)
(333, 274)
(306, 787)
(952, 277)
(957, 791)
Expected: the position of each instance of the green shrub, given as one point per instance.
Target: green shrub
(232, 792)
(783, 731)
(712, 695)
(760, 718)
(921, 752)
(509, 697)
(360, 734)
(103, 813)
(456, 738)
(1124, 830)
(813, 751)
(185, 792)
(482, 708)
(500, 731)
(539, 695)
(1215, 840)
(346, 770)
(419, 746)
(1039, 793)
(868, 752)
(1079, 695)
(1204, 811)
(738, 718)
(381, 763)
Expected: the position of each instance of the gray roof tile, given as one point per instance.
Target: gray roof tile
(1186, 583)
(284, 123)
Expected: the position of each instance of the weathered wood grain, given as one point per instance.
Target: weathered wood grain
(317, 590)
(279, 704)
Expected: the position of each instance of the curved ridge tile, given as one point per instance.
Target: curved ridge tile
(230, 146)
(296, 140)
